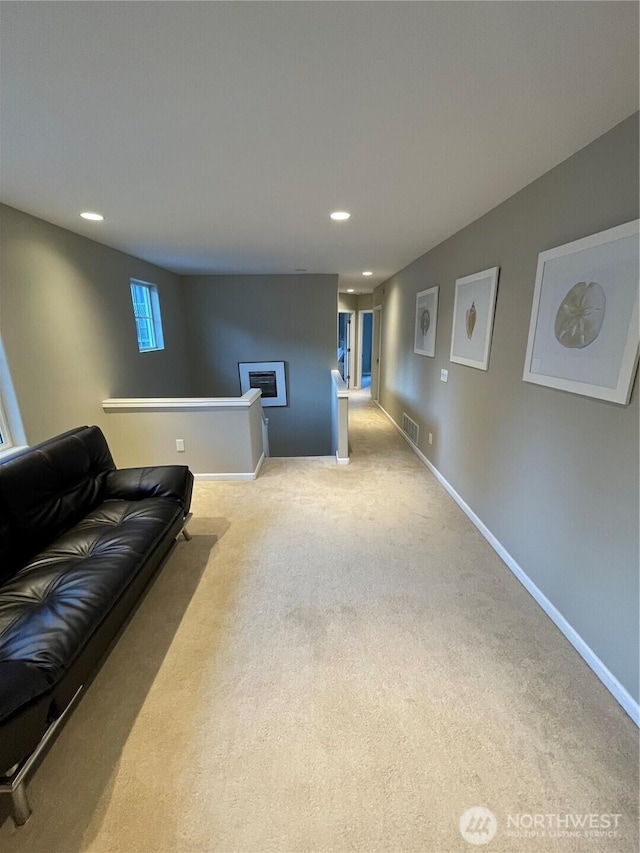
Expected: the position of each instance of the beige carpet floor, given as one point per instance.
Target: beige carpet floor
(336, 662)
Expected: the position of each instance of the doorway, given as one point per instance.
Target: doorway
(376, 352)
(365, 348)
(344, 346)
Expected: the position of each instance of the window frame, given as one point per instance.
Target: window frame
(6, 439)
(151, 317)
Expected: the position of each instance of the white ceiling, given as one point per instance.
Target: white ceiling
(216, 137)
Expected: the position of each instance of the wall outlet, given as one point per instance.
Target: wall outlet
(180, 444)
(444, 375)
(430, 438)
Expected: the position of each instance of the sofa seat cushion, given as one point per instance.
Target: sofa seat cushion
(52, 606)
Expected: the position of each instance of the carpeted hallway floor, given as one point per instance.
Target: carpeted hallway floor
(336, 662)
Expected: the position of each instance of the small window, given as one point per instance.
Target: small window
(146, 310)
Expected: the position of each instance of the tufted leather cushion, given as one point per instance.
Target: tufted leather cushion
(53, 605)
(46, 489)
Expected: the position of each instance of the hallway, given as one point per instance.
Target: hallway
(337, 661)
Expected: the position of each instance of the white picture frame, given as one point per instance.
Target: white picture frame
(268, 376)
(473, 311)
(426, 320)
(583, 333)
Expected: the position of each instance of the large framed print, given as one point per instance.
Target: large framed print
(426, 321)
(583, 333)
(268, 376)
(473, 310)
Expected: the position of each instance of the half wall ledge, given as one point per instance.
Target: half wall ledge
(217, 437)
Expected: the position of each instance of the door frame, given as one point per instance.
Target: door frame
(350, 380)
(360, 337)
(376, 352)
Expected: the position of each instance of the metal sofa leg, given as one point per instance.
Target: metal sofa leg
(20, 802)
(184, 530)
(14, 782)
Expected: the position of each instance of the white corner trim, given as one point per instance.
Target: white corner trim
(248, 475)
(339, 384)
(342, 460)
(617, 690)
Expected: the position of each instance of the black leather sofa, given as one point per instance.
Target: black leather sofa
(79, 543)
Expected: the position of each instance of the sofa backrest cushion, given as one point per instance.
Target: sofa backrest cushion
(46, 489)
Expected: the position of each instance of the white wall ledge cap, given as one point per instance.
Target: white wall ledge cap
(176, 403)
(339, 384)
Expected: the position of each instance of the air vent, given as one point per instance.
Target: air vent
(410, 428)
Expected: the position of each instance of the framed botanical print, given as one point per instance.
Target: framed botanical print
(583, 333)
(473, 310)
(425, 322)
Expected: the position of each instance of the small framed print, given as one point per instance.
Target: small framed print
(473, 311)
(426, 321)
(268, 377)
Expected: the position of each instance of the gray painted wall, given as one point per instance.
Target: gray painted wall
(67, 326)
(553, 475)
(347, 302)
(290, 318)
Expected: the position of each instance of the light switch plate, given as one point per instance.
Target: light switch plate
(444, 375)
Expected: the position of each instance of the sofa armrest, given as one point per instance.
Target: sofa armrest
(159, 481)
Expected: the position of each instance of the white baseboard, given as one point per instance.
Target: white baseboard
(249, 475)
(617, 690)
(259, 465)
(342, 460)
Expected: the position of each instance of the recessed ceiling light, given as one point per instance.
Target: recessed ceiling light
(368, 272)
(94, 217)
(350, 290)
(339, 215)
